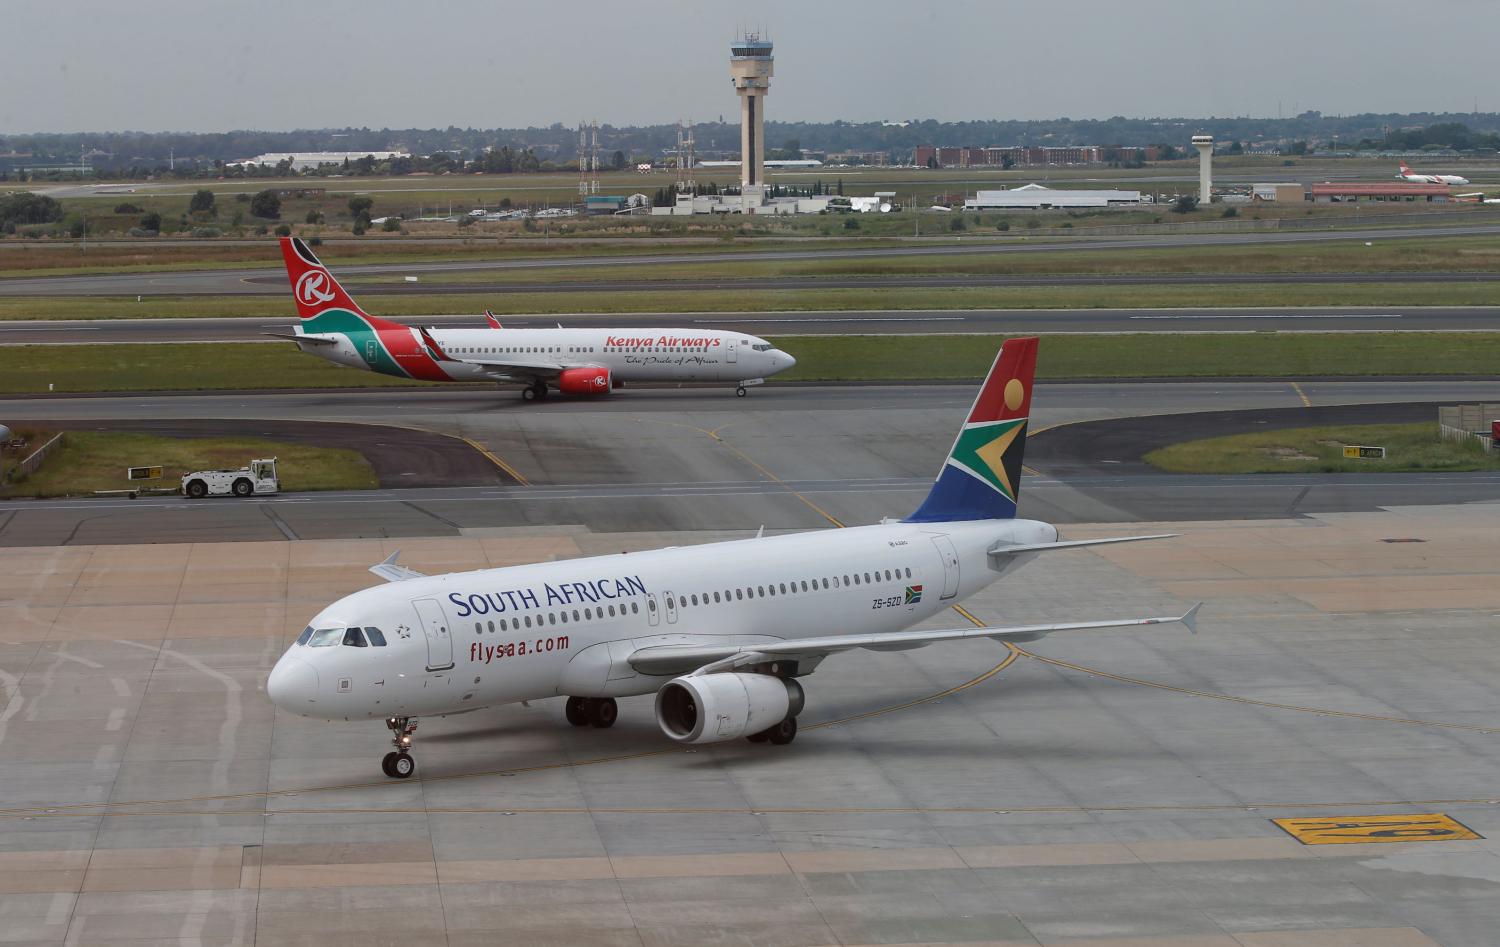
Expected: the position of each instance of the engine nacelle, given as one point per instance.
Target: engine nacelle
(584, 381)
(707, 708)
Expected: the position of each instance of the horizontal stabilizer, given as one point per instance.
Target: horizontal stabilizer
(310, 339)
(391, 572)
(1004, 549)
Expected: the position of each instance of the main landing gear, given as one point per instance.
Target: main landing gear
(399, 764)
(534, 392)
(780, 735)
(600, 712)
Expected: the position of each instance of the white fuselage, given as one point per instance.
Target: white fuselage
(467, 640)
(630, 355)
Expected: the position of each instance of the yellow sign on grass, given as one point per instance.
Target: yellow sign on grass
(1344, 830)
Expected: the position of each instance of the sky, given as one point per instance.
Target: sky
(173, 65)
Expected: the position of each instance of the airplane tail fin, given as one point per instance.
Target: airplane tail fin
(981, 479)
(1404, 169)
(315, 289)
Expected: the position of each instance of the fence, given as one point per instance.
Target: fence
(1467, 215)
(33, 461)
(1462, 421)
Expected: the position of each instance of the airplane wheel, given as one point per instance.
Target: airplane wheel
(385, 764)
(528, 394)
(760, 737)
(403, 765)
(784, 732)
(739, 392)
(577, 712)
(603, 713)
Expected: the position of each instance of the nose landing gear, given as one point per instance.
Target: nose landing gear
(399, 764)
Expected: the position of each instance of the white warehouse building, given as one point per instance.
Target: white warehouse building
(1038, 197)
(302, 160)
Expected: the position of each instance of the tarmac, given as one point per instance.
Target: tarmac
(250, 280)
(1115, 789)
(793, 323)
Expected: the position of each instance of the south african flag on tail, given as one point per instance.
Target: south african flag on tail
(981, 479)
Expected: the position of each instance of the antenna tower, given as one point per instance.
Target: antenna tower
(588, 158)
(687, 159)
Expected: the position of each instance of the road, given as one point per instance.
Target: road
(243, 280)
(791, 323)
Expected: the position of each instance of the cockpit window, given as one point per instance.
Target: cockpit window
(325, 638)
(306, 634)
(376, 636)
(762, 347)
(354, 638)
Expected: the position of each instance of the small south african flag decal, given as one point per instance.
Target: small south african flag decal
(913, 594)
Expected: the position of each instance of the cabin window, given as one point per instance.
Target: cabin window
(528, 621)
(867, 578)
(635, 609)
(588, 613)
(376, 636)
(611, 611)
(772, 588)
(760, 590)
(325, 638)
(682, 601)
(354, 638)
(575, 615)
(695, 599)
(846, 580)
(478, 628)
(306, 634)
(783, 588)
(908, 572)
(825, 583)
(492, 627)
(739, 594)
(552, 618)
(564, 617)
(716, 598)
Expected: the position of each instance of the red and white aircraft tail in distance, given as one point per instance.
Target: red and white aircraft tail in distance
(1407, 174)
(572, 361)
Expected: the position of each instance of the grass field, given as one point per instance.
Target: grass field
(1409, 447)
(278, 307)
(820, 358)
(96, 460)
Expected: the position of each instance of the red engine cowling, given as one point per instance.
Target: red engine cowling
(584, 381)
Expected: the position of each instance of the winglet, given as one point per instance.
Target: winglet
(1190, 619)
(389, 570)
(490, 318)
(433, 349)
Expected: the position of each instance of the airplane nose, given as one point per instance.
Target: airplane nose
(293, 684)
(790, 362)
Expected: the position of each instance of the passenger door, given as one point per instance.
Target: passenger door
(435, 628)
(653, 614)
(949, 556)
(671, 607)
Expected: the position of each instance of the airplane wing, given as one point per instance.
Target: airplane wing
(678, 659)
(499, 369)
(1000, 550)
(388, 570)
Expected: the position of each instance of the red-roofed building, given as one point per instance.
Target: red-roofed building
(1368, 191)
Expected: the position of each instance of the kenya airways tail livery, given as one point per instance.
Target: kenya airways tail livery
(720, 633)
(573, 361)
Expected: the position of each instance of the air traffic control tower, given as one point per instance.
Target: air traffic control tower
(751, 67)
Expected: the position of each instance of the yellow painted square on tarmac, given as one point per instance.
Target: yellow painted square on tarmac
(1344, 830)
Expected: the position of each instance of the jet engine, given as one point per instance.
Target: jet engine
(707, 708)
(584, 381)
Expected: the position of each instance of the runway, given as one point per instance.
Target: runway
(235, 281)
(840, 322)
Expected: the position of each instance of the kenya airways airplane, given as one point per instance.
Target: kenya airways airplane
(1407, 174)
(720, 633)
(573, 361)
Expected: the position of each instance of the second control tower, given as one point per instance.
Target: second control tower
(751, 67)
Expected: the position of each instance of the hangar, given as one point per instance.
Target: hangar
(1038, 197)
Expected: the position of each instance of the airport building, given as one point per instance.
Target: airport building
(1020, 156)
(1327, 193)
(302, 160)
(1037, 197)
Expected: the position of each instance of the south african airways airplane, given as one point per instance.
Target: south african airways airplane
(720, 633)
(573, 361)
